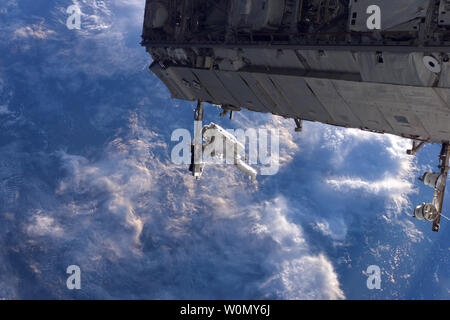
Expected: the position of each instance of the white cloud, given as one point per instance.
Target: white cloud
(42, 225)
(310, 277)
(4, 110)
(130, 214)
(395, 184)
(33, 31)
(390, 186)
(334, 227)
(211, 223)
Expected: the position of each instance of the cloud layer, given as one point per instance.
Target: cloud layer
(86, 179)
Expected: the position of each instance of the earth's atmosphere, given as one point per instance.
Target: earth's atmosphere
(86, 179)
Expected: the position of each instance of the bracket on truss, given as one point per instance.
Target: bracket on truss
(438, 198)
(298, 124)
(196, 166)
(437, 180)
(417, 145)
(228, 108)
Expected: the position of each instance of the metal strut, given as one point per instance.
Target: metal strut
(417, 145)
(438, 198)
(298, 125)
(196, 166)
(198, 112)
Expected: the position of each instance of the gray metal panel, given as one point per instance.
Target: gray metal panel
(272, 58)
(384, 108)
(256, 14)
(397, 68)
(425, 99)
(234, 83)
(170, 83)
(333, 102)
(404, 122)
(409, 111)
(275, 94)
(432, 106)
(228, 58)
(444, 78)
(363, 100)
(396, 105)
(187, 81)
(335, 61)
(444, 95)
(215, 87)
(301, 98)
(261, 93)
(437, 123)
